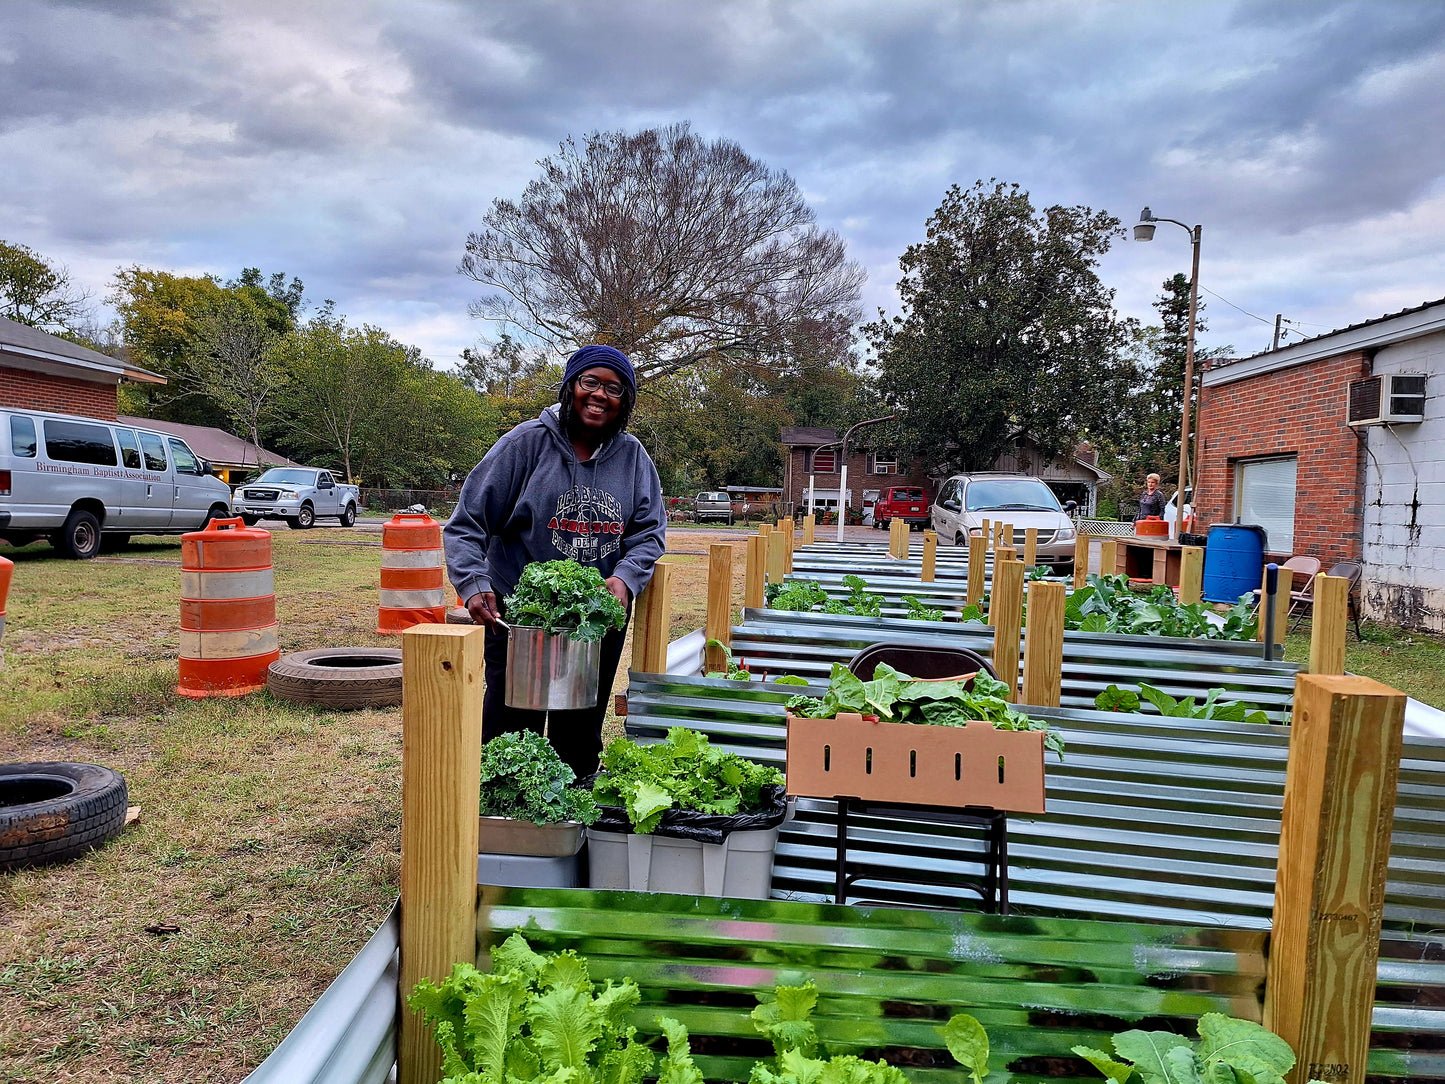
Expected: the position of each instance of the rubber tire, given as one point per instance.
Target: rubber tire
(303, 677)
(79, 537)
(958, 540)
(216, 511)
(305, 520)
(37, 833)
(348, 518)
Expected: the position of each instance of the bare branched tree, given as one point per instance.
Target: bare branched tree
(235, 363)
(668, 247)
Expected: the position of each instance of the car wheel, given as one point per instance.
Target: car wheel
(348, 518)
(79, 537)
(343, 678)
(958, 540)
(55, 811)
(305, 519)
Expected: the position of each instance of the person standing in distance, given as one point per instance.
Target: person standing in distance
(572, 483)
(1151, 501)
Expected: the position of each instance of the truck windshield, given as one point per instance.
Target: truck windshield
(288, 474)
(1020, 494)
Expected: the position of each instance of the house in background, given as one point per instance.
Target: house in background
(40, 371)
(806, 451)
(233, 459)
(1336, 446)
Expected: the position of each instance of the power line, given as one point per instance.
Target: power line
(1232, 305)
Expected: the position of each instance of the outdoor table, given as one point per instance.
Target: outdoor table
(1155, 559)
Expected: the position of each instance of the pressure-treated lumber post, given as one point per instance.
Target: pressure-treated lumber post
(1031, 546)
(987, 530)
(441, 729)
(1005, 614)
(977, 557)
(777, 557)
(1005, 536)
(1328, 616)
(930, 556)
(1005, 553)
(654, 622)
(1334, 843)
(1108, 557)
(756, 576)
(719, 622)
(1081, 559)
(1191, 573)
(1044, 644)
(809, 526)
(786, 526)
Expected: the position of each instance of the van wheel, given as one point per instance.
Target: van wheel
(217, 511)
(79, 538)
(348, 518)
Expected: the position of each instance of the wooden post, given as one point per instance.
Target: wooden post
(1191, 573)
(930, 556)
(777, 557)
(1329, 615)
(1031, 546)
(1005, 614)
(790, 541)
(756, 576)
(1282, 604)
(1044, 644)
(1081, 559)
(977, 558)
(1005, 553)
(1005, 536)
(654, 622)
(719, 620)
(441, 725)
(765, 529)
(1334, 843)
(809, 526)
(987, 530)
(1108, 557)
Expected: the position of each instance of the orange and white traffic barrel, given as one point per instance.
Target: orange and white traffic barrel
(7, 569)
(228, 610)
(413, 573)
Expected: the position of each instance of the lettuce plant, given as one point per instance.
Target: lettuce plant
(1228, 1050)
(565, 599)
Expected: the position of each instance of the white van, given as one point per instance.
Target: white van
(78, 481)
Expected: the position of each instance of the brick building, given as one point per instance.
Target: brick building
(39, 371)
(1275, 447)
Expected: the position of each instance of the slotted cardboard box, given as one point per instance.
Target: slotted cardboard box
(952, 766)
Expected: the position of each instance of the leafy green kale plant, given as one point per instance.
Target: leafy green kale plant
(917, 611)
(897, 698)
(1228, 1050)
(1230, 711)
(524, 778)
(683, 772)
(565, 599)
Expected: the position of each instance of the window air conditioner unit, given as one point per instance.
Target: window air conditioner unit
(1389, 397)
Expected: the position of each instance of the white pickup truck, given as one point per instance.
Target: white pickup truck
(298, 495)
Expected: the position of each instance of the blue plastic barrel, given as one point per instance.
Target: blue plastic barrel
(1233, 561)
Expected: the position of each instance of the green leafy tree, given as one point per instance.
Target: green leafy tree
(1006, 330)
(37, 292)
(669, 247)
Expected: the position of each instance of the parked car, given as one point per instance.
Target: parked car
(717, 506)
(908, 503)
(81, 482)
(298, 495)
(966, 500)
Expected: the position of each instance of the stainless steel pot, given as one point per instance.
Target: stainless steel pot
(551, 673)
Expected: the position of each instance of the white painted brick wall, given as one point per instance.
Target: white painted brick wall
(1404, 576)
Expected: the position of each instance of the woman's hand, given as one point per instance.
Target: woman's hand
(483, 609)
(619, 591)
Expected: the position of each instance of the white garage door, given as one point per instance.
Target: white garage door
(1264, 491)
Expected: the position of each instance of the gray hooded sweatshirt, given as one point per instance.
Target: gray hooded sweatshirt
(531, 499)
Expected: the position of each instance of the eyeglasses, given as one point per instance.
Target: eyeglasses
(590, 383)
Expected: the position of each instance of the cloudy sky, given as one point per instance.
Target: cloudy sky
(355, 144)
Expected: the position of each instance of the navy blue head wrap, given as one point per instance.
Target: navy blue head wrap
(591, 356)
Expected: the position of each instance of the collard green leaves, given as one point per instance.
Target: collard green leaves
(565, 598)
(1108, 604)
(1229, 1051)
(1230, 711)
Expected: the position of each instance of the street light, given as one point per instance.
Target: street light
(1144, 231)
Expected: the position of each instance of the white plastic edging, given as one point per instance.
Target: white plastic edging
(684, 655)
(349, 1035)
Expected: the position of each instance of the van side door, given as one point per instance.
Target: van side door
(135, 511)
(159, 484)
(193, 498)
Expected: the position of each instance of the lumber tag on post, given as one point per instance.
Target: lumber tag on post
(930, 556)
(442, 682)
(1329, 615)
(1191, 573)
(1044, 645)
(1081, 560)
(719, 604)
(1108, 557)
(1334, 845)
(1031, 546)
(654, 619)
(977, 556)
(810, 524)
(756, 574)
(1005, 614)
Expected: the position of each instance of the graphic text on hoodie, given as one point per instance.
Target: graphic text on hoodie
(587, 524)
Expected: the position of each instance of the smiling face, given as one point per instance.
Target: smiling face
(596, 410)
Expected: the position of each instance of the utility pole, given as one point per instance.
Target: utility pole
(1278, 321)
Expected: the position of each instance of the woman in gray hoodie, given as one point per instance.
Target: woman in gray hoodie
(573, 484)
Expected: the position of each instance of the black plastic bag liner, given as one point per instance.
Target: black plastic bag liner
(699, 827)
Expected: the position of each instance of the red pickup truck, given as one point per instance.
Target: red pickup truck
(907, 503)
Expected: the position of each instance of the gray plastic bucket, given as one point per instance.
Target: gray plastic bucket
(551, 673)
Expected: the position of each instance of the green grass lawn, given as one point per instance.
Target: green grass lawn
(1413, 662)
